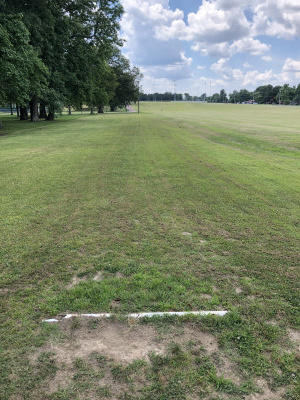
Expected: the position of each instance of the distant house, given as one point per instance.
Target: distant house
(249, 102)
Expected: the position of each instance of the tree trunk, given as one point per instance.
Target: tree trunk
(92, 110)
(70, 111)
(34, 110)
(51, 116)
(43, 113)
(100, 110)
(11, 109)
(23, 114)
(1, 125)
(112, 108)
(18, 111)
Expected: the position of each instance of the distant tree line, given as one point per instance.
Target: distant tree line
(167, 96)
(63, 53)
(266, 94)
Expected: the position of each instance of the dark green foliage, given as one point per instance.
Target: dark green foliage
(74, 40)
(127, 90)
(19, 61)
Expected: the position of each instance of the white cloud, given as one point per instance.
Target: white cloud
(220, 66)
(255, 78)
(291, 70)
(230, 4)
(213, 50)
(159, 40)
(212, 24)
(250, 46)
(267, 58)
(278, 18)
(186, 60)
(141, 25)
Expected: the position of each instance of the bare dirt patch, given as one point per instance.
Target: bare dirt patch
(226, 368)
(122, 343)
(294, 336)
(98, 277)
(109, 338)
(267, 393)
(205, 296)
(75, 281)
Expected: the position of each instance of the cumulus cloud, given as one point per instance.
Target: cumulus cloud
(221, 67)
(250, 46)
(291, 69)
(213, 24)
(253, 77)
(211, 28)
(267, 58)
(278, 18)
(160, 39)
(141, 26)
(213, 50)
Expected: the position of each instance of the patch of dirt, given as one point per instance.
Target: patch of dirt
(205, 296)
(115, 304)
(272, 322)
(226, 368)
(238, 290)
(122, 343)
(75, 281)
(294, 336)
(62, 380)
(111, 339)
(98, 277)
(208, 341)
(267, 393)
(186, 234)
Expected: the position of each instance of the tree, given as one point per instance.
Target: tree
(296, 98)
(68, 35)
(127, 90)
(223, 96)
(233, 97)
(287, 94)
(215, 98)
(18, 61)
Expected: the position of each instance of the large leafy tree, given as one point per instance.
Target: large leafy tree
(68, 35)
(18, 62)
(127, 90)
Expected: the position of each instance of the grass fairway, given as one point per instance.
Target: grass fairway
(181, 207)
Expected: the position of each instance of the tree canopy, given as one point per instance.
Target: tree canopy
(59, 53)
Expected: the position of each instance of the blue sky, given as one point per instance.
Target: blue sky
(212, 44)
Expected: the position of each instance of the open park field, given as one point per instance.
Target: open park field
(182, 207)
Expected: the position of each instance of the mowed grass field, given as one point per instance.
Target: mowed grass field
(181, 207)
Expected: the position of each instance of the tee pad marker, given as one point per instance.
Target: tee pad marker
(138, 315)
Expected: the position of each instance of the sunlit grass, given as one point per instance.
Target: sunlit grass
(181, 207)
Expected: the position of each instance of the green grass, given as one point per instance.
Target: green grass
(181, 207)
